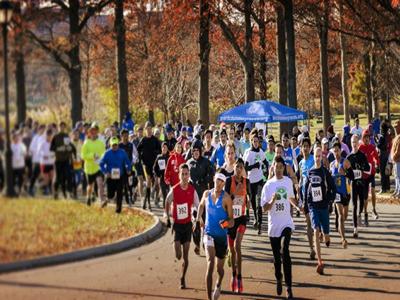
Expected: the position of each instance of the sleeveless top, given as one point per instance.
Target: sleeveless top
(215, 213)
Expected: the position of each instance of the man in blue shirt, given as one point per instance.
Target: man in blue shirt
(114, 165)
(218, 156)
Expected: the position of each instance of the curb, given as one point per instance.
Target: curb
(146, 237)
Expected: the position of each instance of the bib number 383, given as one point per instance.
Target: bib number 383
(182, 211)
(316, 193)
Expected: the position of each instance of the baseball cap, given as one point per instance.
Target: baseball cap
(114, 141)
(325, 141)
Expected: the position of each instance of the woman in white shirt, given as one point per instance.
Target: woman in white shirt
(47, 159)
(276, 198)
(19, 153)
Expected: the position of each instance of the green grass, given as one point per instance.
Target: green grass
(35, 227)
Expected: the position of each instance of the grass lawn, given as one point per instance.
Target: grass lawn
(31, 228)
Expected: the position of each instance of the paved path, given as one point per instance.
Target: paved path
(368, 269)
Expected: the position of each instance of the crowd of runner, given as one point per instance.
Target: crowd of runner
(211, 182)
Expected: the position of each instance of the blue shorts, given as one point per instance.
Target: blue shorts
(320, 219)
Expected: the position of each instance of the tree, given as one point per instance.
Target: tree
(119, 26)
(324, 70)
(282, 65)
(68, 54)
(204, 55)
(247, 54)
(344, 69)
(19, 67)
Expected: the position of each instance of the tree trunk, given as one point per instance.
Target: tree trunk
(323, 46)
(373, 87)
(345, 75)
(291, 57)
(367, 66)
(263, 55)
(249, 53)
(282, 66)
(75, 71)
(204, 62)
(119, 24)
(151, 117)
(20, 71)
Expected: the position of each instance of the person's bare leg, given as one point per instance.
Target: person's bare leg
(317, 245)
(238, 250)
(100, 187)
(185, 264)
(309, 232)
(210, 255)
(341, 220)
(220, 270)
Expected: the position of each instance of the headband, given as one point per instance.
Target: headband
(220, 176)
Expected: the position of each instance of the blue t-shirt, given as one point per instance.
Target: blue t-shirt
(340, 180)
(304, 167)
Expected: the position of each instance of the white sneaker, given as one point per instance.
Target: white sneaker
(216, 293)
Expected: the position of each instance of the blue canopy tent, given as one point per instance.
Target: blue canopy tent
(261, 111)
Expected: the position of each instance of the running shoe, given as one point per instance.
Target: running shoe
(320, 269)
(88, 201)
(297, 213)
(328, 243)
(289, 293)
(375, 215)
(240, 285)
(255, 224)
(183, 284)
(216, 293)
(312, 254)
(355, 233)
(366, 223)
(344, 244)
(234, 284)
(279, 287)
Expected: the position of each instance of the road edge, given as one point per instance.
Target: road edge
(145, 237)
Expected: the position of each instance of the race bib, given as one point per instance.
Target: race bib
(316, 193)
(337, 199)
(182, 211)
(357, 174)
(161, 164)
(208, 241)
(66, 141)
(279, 207)
(115, 173)
(237, 211)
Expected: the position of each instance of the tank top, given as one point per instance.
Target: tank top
(239, 200)
(215, 213)
(340, 180)
(182, 204)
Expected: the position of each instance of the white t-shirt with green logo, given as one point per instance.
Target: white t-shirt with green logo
(279, 217)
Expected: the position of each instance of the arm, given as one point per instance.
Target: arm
(348, 170)
(201, 209)
(103, 164)
(292, 176)
(229, 209)
(168, 201)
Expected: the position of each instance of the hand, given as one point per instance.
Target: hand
(274, 197)
(256, 165)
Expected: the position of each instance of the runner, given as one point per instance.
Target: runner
(47, 159)
(320, 190)
(359, 164)
(230, 156)
(92, 150)
(255, 163)
(159, 171)
(369, 177)
(128, 178)
(239, 188)
(270, 153)
(219, 216)
(288, 152)
(304, 166)
(208, 148)
(115, 165)
(277, 196)
(149, 147)
(217, 158)
(172, 169)
(340, 169)
(183, 198)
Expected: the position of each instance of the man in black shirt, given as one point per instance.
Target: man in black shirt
(149, 147)
(128, 180)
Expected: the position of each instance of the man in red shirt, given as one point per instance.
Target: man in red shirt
(373, 160)
(183, 198)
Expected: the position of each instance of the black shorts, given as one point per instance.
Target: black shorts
(220, 245)
(344, 200)
(46, 169)
(148, 170)
(92, 178)
(139, 169)
(182, 232)
(239, 222)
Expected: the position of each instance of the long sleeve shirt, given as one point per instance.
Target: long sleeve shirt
(115, 162)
